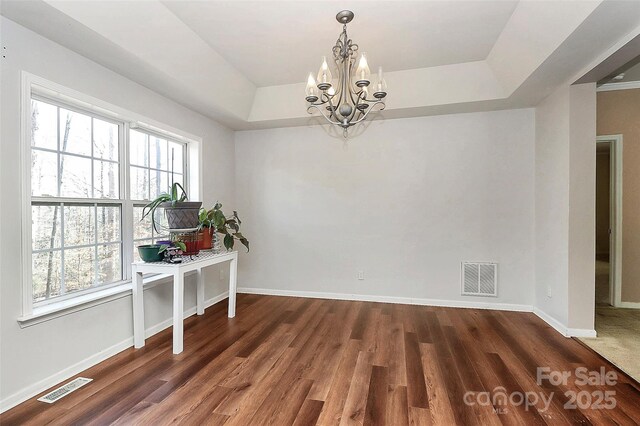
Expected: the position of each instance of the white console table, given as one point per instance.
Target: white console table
(178, 270)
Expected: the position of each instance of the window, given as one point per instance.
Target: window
(155, 163)
(76, 210)
(90, 178)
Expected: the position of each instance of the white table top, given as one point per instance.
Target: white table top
(203, 256)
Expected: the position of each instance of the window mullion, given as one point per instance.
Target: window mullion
(62, 268)
(93, 161)
(126, 209)
(185, 179)
(148, 138)
(58, 158)
(95, 247)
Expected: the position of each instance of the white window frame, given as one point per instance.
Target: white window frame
(60, 200)
(33, 85)
(139, 203)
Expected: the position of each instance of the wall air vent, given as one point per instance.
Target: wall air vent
(64, 390)
(479, 279)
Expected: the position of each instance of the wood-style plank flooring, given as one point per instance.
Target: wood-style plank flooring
(294, 361)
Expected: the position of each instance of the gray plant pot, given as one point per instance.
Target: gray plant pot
(182, 215)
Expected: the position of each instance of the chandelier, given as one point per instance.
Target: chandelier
(347, 102)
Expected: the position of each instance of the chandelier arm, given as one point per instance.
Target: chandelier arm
(323, 114)
(334, 109)
(356, 117)
(340, 63)
(345, 80)
(351, 92)
(368, 111)
(339, 89)
(338, 86)
(355, 108)
(338, 96)
(317, 103)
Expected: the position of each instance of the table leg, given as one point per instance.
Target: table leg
(233, 274)
(178, 311)
(138, 310)
(200, 292)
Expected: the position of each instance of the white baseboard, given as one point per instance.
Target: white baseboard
(561, 328)
(557, 325)
(390, 299)
(38, 387)
(581, 332)
(33, 390)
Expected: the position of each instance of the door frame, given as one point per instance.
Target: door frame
(615, 217)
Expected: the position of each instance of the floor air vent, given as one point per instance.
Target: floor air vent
(65, 390)
(479, 279)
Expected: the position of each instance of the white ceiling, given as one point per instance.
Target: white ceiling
(244, 63)
(280, 42)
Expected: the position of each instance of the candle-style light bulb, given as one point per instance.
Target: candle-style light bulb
(311, 85)
(311, 91)
(381, 86)
(331, 91)
(362, 72)
(324, 75)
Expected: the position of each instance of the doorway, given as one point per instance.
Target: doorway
(608, 220)
(603, 270)
(616, 325)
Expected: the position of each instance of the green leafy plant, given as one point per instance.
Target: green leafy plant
(205, 218)
(177, 244)
(227, 226)
(176, 194)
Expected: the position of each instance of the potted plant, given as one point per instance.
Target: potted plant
(180, 213)
(173, 250)
(150, 252)
(227, 226)
(206, 227)
(157, 252)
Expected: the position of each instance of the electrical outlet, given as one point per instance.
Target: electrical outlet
(361, 275)
(549, 293)
(221, 274)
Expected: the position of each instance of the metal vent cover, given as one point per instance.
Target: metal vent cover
(64, 390)
(479, 279)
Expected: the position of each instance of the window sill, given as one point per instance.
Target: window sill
(65, 307)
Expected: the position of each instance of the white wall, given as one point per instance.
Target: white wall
(565, 208)
(32, 354)
(582, 206)
(552, 205)
(405, 202)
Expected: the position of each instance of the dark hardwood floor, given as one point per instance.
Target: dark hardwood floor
(285, 361)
